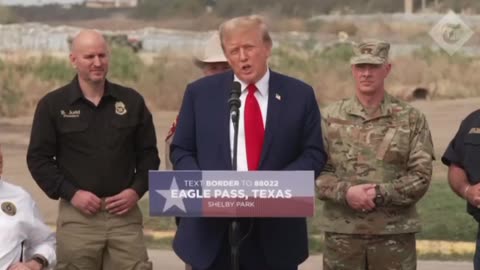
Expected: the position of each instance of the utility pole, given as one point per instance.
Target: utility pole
(408, 4)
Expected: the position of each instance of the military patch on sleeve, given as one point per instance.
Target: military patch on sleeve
(9, 208)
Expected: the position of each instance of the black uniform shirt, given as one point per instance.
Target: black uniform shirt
(464, 151)
(103, 149)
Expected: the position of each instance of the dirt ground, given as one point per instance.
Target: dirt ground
(444, 117)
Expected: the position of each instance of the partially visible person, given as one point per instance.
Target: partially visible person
(92, 145)
(210, 57)
(380, 165)
(462, 157)
(211, 60)
(26, 242)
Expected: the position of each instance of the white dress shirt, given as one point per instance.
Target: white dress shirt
(23, 223)
(262, 98)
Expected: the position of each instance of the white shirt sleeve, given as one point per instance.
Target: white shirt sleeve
(40, 238)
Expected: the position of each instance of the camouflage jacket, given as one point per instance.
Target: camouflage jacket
(393, 150)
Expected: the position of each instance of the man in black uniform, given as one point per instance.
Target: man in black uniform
(463, 160)
(92, 145)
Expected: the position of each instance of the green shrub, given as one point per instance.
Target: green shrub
(7, 16)
(10, 96)
(337, 53)
(429, 55)
(50, 68)
(125, 65)
(295, 62)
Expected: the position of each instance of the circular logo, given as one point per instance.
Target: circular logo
(9, 208)
(452, 32)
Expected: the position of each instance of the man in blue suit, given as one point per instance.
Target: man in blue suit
(279, 129)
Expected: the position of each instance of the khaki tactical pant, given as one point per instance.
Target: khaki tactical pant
(369, 252)
(102, 241)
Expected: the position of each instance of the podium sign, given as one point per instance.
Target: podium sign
(232, 193)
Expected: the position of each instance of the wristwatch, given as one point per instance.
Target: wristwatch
(41, 260)
(379, 199)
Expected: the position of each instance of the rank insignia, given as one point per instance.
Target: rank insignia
(9, 208)
(120, 108)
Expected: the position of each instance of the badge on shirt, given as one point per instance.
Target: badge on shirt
(120, 108)
(9, 208)
(475, 130)
(70, 113)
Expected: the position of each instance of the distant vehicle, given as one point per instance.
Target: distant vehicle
(119, 40)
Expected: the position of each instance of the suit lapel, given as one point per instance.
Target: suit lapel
(275, 95)
(224, 131)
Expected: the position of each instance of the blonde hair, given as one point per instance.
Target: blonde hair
(245, 23)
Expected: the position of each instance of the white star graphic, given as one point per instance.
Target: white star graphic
(171, 202)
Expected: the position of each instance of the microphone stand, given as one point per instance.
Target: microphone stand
(234, 230)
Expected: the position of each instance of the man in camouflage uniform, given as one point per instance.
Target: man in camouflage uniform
(380, 164)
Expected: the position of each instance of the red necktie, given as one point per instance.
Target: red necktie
(254, 130)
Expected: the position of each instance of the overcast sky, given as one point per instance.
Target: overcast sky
(38, 2)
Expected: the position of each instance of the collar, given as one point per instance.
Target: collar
(354, 107)
(262, 84)
(75, 92)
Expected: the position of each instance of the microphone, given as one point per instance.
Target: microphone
(234, 101)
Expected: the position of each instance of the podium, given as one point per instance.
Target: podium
(234, 194)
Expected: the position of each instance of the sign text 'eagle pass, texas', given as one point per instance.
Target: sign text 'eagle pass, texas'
(231, 193)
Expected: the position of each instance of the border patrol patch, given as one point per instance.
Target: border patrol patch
(9, 208)
(120, 108)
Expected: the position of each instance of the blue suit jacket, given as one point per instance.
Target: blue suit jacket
(293, 141)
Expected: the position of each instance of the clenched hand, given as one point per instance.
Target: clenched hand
(360, 197)
(86, 202)
(122, 202)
